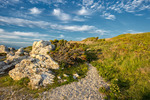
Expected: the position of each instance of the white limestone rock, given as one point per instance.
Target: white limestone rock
(20, 52)
(41, 47)
(3, 49)
(75, 76)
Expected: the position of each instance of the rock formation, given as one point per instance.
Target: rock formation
(10, 62)
(3, 49)
(36, 66)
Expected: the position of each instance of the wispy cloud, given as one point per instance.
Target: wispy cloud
(73, 28)
(139, 14)
(35, 11)
(46, 25)
(108, 16)
(87, 2)
(23, 22)
(5, 3)
(61, 15)
(77, 18)
(17, 34)
(133, 31)
(83, 11)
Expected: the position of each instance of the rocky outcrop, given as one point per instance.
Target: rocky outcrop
(41, 47)
(3, 49)
(35, 70)
(10, 62)
(20, 52)
(36, 66)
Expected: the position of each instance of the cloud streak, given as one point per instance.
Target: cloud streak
(46, 25)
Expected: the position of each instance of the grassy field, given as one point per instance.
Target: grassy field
(124, 61)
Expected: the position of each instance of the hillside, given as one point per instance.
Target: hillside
(124, 61)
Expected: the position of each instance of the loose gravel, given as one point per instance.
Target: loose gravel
(85, 89)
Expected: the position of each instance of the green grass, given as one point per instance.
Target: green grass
(28, 49)
(124, 61)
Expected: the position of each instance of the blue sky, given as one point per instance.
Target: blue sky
(24, 21)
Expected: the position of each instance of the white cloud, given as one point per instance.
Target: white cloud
(5, 3)
(47, 1)
(61, 15)
(35, 10)
(133, 31)
(77, 18)
(83, 11)
(108, 16)
(44, 25)
(139, 14)
(73, 28)
(87, 2)
(23, 22)
(61, 36)
(30, 34)
(17, 34)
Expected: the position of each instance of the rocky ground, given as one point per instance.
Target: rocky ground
(86, 89)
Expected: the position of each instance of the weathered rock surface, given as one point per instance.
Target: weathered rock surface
(41, 47)
(20, 52)
(3, 49)
(10, 63)
(35, 70)
(37, 66)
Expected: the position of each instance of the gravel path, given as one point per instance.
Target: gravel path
(85, 89)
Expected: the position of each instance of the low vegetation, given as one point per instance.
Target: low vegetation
(68, 54)
(124, 61)
(28, 49)
(2, 56)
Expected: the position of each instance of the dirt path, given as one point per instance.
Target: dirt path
(85, 89)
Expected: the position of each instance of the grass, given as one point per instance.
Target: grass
(124, 61)
(28, 49)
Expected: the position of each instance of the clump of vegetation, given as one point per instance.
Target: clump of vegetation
(6, 80)
(3, 54)
(93, 39)
(124, 61)
(68, 54)
(28, 49)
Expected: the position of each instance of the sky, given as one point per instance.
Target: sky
(24, 21)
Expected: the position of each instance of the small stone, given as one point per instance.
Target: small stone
(65, 75)
(58, 77)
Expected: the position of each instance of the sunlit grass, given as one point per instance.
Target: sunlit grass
(124, 61)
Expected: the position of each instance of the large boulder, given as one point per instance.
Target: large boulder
(41, 47)
(3, 49)
(35, 70)
(37, 67)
